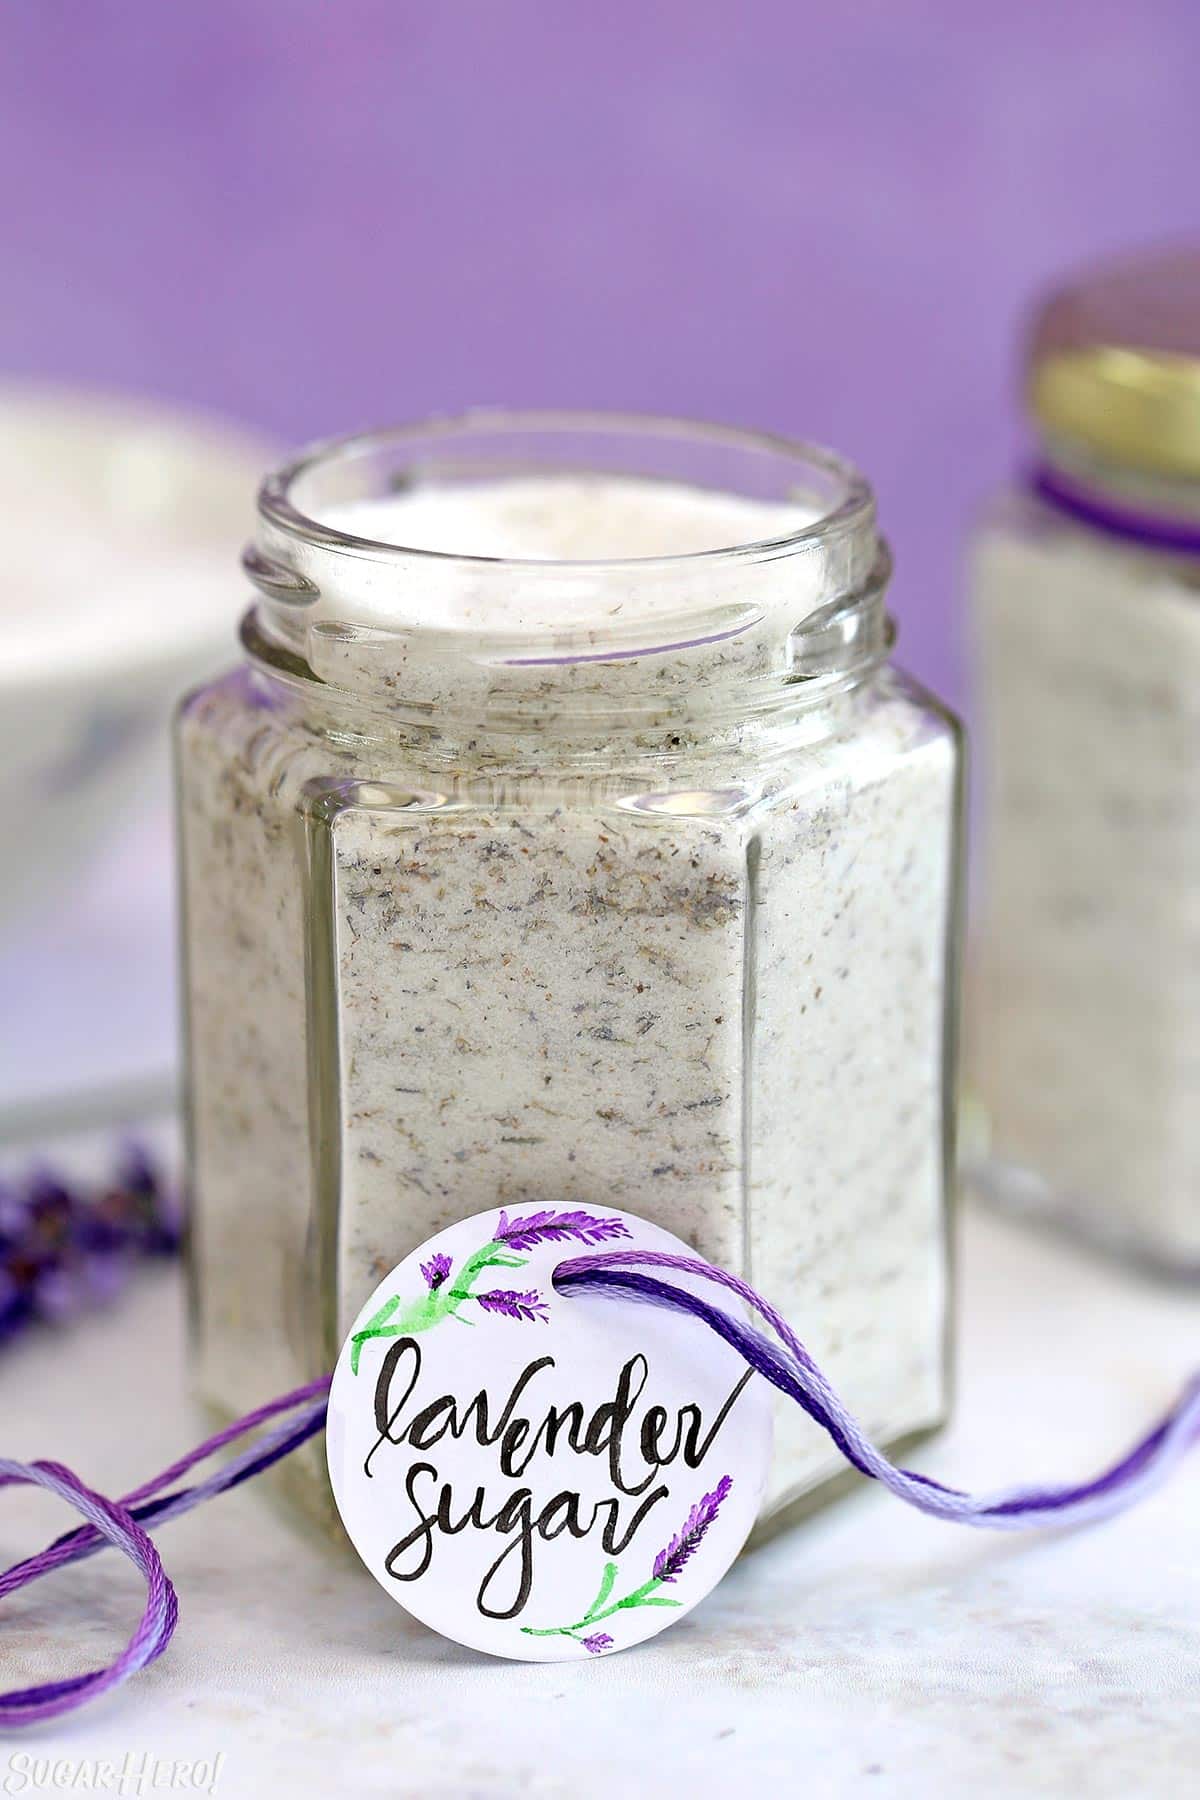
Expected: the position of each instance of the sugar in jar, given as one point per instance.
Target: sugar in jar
(1085, 995)
(567, 835)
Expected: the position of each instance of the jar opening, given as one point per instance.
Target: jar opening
(460, 559)
(313, 495)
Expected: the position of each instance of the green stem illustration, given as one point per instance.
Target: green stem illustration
(598, 1611)
(441, 1302)
(444, 1297)
(668, 1565)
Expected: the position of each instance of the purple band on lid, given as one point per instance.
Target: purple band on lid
(1083, 503)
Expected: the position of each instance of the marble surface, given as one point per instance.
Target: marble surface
(872, 1652)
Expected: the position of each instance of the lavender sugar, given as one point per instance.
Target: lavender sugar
(699, 971)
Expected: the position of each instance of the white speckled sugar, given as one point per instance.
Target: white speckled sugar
(564, 518)
(1084, 1042)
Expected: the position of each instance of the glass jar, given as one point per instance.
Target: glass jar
(566, 837)
(1084, 1026)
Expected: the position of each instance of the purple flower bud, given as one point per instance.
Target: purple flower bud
(103, 1277)
(15, 1304)
(598, 1642)
(436, 1270)
(14, 1217)
(56, 1294)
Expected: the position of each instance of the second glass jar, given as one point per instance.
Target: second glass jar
(1084, 1045)
(567, 837)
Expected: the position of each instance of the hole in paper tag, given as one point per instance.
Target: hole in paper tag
(540, 1475)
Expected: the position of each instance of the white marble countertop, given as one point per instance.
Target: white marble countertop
(872, 1652)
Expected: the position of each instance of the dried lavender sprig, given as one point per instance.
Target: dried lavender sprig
(64, 1250)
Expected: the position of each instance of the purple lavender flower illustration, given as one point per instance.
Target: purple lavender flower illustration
(436, 1270)
(598, 1642)
(552, 1227)
(445, 1298)
(670, 1561)
(513, 1305)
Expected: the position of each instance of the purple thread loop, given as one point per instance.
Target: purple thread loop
(114, 1524)
(121, 1523)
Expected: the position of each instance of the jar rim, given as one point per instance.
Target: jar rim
(440, 629)
(851, 505)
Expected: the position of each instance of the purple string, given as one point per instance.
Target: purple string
(792, 1370)
(112, 1524)
(120, 1523)
(786, 1364)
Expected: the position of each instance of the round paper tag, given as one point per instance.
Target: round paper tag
(538, 1474)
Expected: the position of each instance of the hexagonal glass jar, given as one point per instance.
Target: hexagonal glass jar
(620, 870)
(1084, 1036)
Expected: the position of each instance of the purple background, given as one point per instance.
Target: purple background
(822, 221)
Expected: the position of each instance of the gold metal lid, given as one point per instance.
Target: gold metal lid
(1114, 363)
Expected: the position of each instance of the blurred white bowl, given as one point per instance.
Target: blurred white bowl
(122, 523)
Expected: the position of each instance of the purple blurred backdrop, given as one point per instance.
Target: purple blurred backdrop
(825, 221)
